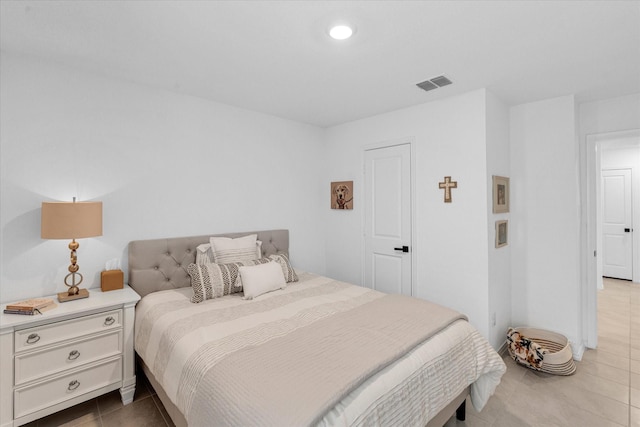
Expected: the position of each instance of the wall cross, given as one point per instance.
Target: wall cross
(447, 185)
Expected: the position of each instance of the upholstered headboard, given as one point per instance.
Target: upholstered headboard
(160, 264)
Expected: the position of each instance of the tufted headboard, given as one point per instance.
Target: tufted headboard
(160, 264)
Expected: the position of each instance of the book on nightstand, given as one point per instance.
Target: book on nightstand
(31, 306)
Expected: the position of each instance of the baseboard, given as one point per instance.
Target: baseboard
(577, 350)
(502, 350)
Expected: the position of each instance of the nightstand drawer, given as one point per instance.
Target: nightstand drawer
(33, 365)
(39, 336)
(64, 387)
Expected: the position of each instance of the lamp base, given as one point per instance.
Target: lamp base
(65, 297)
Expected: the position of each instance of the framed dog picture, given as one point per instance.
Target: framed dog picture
(502, 233)
(342, 195)
(500, 194)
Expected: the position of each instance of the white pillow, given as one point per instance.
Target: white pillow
(262, 278)
(204, 253)
(241, 249)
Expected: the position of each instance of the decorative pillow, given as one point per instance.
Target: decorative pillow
(288, 271)
(204, 253)
(260, 279)
(212, 280)
(241, 249)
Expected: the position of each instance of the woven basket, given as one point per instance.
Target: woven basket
(559, 359)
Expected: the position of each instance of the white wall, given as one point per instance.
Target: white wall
(162, 163)
(451, 244)
(498, 163)
(545, 217)
(610, 115)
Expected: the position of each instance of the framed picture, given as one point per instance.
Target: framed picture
(500, 194)
(502, 233)
(342, 195)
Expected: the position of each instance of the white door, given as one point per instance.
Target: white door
(388, 219)
(616, 224)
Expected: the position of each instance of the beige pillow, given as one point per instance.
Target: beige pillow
(260, 279)
(241, 249)
(204, 252)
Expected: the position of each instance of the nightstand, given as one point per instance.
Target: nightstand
(75, 352)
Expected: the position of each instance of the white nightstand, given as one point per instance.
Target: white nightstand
(75, 352)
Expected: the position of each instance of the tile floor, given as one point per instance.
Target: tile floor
(108, 411)
(604, 391)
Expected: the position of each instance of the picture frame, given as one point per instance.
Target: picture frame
(502, 233)
(500, 194)
(342, 195)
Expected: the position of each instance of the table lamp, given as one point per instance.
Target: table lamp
(71, 220)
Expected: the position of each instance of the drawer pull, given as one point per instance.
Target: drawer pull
(73, 385)
(73, 355)
(33, 338)
(109, 321)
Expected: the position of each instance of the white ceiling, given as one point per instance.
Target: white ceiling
(275, 56)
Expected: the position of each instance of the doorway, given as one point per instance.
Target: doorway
(388, 223)
(625, 145)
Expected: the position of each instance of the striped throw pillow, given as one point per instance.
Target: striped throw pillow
(211, 280)
(288, 271)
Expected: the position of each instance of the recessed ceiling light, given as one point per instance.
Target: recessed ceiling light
(341, 32)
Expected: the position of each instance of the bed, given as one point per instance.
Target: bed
(317, 352)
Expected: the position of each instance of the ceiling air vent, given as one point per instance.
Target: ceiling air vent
(440, 81)
(434, 83)
(427, 85)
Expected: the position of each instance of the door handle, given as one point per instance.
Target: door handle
(403, 249)
(628, 230)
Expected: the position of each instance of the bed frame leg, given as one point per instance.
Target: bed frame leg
(461, 412)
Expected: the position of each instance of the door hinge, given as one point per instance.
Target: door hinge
(595, 253)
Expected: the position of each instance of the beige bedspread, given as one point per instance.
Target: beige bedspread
(282, 359)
